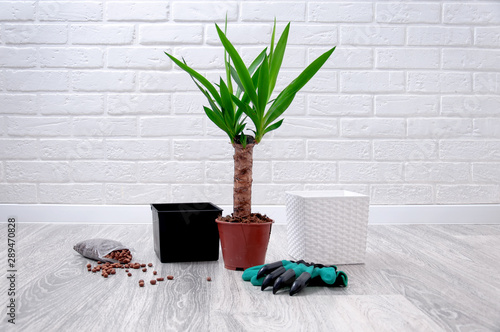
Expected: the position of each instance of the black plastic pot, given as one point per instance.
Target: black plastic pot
(186, 232)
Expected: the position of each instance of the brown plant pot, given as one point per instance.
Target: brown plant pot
(243, 244)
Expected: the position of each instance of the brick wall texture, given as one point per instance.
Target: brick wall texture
(407, 110)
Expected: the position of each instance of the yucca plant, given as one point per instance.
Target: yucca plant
(253, 99)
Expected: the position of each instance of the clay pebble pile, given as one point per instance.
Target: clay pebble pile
(123, 256)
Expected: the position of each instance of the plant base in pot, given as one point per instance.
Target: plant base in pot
(244, 242)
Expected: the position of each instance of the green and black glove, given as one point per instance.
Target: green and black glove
(296, 275)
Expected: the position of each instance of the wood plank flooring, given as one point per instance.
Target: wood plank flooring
(416, 278)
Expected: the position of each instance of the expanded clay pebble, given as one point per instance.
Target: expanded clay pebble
(123, 256)
(209, 279)
(144, 270)
(153, 282)
(160, 279)
(170, 277)
(154, 272)
(150, 264)
(129, 274)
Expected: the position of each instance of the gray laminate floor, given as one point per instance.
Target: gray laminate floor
(416, 278)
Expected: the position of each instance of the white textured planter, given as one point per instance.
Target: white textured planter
(327, 227)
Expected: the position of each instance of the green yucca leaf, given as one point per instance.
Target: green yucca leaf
(240, 67)
(256, 63)
(263, 87)
(251, 69)
(250, 112)
(274, 126)
(286, 96)
(271, 51)
(214, 107)
(277, 59)
(197, 76)
(236, 78)
(239, 112)
(227, 64)
(255, 80)
(280, 105)
(227, 103)
(243, 141)
(223, 120)
(240, 127)
(217, 119)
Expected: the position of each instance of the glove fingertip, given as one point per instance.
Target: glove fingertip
(328, 275)
(246, 276)
(250, 272)
(256, 282)
(343, 277)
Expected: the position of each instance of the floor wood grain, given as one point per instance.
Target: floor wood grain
(416, 278)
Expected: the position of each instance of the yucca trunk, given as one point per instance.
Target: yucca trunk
(242, 191)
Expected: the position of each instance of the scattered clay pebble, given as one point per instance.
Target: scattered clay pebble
(99, 262)
(209, 279)
(107, 268)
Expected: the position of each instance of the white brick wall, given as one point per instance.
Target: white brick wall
(407, 110)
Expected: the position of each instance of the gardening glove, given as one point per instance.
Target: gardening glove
(317, 275)
(296, 275)
(257, 274)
